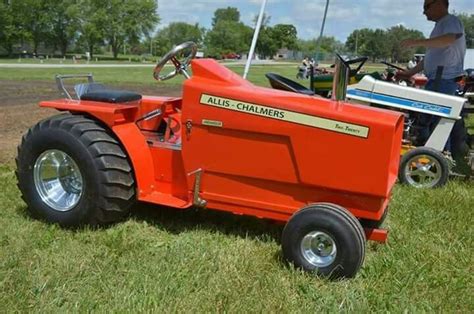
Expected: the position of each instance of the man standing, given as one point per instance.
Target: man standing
(446, 48)
(443, 63)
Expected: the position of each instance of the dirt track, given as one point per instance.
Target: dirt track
(19, 109)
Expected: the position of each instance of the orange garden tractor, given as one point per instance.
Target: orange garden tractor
(324, 167)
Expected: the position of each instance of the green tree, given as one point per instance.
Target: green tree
(265, 20)
(177, 33)
(227, 34)
(33, 16)
(89, 17)
(307, 47)
(228, 14)
(266, 45)
(395, 35)
(382, 44)
(285, 36)
(377, 46)
(12, 30)
(63, 20)
(329, 44)
(127, 20)
(4, 22)
(468, 22)
(358, 40)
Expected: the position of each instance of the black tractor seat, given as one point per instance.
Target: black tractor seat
(111, 96)
(283, 83)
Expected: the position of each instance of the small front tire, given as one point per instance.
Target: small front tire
(424, 167)
(326, 239)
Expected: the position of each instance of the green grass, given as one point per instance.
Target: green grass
(69, 60)
(137, 75)
(164, 260)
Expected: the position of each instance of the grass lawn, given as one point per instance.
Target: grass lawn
(164, 260)
(137, 75)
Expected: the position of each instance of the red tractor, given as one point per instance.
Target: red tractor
(324, 168)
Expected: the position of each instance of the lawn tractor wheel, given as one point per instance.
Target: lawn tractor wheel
(72, 171)
(424, 167)
(325, 239)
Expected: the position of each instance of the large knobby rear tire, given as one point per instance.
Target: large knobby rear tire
(72, 171)
(325, 239)
(424, 167)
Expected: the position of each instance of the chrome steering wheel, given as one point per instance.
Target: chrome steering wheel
(187, 50)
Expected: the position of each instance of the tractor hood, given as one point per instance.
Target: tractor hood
(335, 145)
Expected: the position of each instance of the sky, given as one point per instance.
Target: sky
(343, 17)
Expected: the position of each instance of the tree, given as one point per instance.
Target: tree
(285, 36)
(89, 16)
(326, 45)
(227, 34)
(33, 16)
(63, 20)
(4, 22)
(329, 44)
(395, 36)
(382, 44)
(271, 39)
(228, 14)
(177, 33)
(127, 21)
(266, 45)
(468, 22)
(358, 40)
(12, 30)
(265, 20)
(376, 45)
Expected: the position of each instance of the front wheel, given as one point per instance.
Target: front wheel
(72, 171)
(325, 239)
(424, 167)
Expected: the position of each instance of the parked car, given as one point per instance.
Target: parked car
(231, 55)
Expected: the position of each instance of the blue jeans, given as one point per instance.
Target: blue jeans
(429, 122)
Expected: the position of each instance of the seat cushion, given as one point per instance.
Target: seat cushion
(111, 96)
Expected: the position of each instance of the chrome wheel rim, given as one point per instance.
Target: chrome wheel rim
(319, 249)
(423, 171)
(58, 180)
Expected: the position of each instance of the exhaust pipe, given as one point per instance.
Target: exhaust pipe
(341, 79)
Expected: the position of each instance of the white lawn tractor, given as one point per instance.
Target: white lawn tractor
(423, 164)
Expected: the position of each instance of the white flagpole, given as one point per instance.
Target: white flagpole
(318, 41)
(254, 39)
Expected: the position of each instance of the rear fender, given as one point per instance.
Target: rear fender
(139, 154)
(110, 114)
(120, 119)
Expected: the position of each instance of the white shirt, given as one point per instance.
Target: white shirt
(450, 57)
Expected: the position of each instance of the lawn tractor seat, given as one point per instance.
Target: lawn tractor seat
(111, 96)
(98, 92)
(283, 83)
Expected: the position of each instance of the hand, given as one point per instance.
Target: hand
(407, 43)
